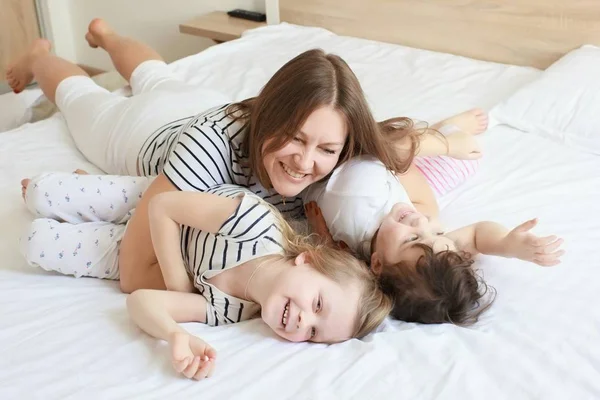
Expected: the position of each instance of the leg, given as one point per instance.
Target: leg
(89, 249)
(126, 53)
(77, 198)
(474, 122)
(40, 65)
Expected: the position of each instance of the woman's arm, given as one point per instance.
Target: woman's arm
(169, 210)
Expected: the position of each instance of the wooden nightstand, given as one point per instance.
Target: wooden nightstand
(218, 26)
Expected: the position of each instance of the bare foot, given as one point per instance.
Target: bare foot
(473, 122)
(19, 73)
(80, 172)
(24, 185)
(97, 31)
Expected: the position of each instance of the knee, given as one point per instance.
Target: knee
(33, 242)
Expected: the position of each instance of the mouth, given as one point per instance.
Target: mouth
(404, 214)
(284, 316)
(291, 173)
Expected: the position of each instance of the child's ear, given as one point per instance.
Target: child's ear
(376, 265)
(301, 259)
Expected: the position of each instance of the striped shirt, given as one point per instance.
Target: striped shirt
(204, 151)
(252, 231)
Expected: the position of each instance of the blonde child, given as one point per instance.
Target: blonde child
(225, 254)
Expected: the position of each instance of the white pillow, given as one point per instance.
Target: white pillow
(563, 103)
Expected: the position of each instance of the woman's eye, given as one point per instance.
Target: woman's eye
(313, 333)
(297, 139)
(329, 151)
(440, 233)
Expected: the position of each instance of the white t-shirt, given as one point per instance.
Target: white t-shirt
(354, 201)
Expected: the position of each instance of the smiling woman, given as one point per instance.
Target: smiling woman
(310, 117)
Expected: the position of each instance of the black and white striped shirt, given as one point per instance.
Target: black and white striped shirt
(252, 231)
(204, 151)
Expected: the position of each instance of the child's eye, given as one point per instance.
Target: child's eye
(412, 238)
(313, 332)
(319, 305)
(440, 233)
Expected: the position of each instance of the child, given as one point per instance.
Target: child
(242, 257)
(391, 221)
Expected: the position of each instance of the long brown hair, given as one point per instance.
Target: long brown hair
(309, 81)
(441, 287)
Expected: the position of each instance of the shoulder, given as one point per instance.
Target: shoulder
(253, 217)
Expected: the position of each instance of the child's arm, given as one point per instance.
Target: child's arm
(157, 312)
(494, 239)
(167, 211)
(419, 192)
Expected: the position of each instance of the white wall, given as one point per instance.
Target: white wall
(155, 22)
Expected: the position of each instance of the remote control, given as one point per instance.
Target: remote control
(249, 15)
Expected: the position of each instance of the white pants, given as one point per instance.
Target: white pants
(110, 129)
(82, 221)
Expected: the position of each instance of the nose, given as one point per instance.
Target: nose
(304, 159)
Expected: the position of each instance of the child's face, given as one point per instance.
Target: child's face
(308, 306)
(401, 229)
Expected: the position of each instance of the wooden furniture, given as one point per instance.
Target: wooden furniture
(522, 32)
(218, 26)
(18, 28)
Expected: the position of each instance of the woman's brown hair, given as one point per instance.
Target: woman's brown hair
(309, 81)
(441, 287)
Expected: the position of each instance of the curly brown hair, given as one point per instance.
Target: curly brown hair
(441, 287)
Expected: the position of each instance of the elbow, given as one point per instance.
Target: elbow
(135, 300)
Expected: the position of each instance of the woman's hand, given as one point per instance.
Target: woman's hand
(463, 146)
(192, 356)
(521, 244)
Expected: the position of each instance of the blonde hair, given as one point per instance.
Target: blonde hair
(342, 267)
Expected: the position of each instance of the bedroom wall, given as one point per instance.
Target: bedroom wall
(153, 21)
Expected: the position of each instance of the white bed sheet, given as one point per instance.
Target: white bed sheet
(64, 338)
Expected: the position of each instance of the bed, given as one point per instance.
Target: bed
(66, 338)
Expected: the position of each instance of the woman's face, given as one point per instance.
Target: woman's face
(311, 155)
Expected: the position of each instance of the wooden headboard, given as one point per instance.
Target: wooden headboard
(521, 32)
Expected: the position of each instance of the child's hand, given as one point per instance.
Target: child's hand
(192, 356)
(463, 146)
(522, 244)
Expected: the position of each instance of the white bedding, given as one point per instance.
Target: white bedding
(64, 338)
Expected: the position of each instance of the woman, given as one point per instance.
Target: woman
(310, 117)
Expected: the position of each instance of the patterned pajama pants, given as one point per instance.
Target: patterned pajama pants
(81, 221)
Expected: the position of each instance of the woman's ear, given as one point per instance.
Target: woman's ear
(301, 259)
(376, 265)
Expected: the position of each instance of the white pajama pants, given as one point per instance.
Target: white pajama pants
(110, 129)
(81, 221)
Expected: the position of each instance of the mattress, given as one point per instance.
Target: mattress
(67, 338)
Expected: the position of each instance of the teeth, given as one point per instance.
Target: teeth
(292, 173)
(285, 314)
(405, 214)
